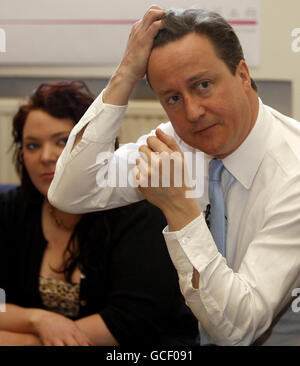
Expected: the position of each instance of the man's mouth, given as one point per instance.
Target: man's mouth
(203, 130)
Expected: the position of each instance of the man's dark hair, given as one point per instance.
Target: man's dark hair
(180, 22)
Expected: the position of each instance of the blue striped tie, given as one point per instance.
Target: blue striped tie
(217, 205)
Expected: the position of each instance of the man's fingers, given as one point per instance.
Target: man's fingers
(153, 9)
(136, 172)
(154, 6)
(162, 143)
(154, 28)
(167, 140)
(145, 152)
(153, 13)
(141, 173)
(156, 145)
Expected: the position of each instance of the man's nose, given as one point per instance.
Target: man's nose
(48, 154)
(194, 108)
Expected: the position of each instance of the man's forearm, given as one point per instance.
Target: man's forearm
(119, 89)
(87, 159)
(117, 93)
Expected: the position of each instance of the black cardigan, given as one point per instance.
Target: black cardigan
(135, 289)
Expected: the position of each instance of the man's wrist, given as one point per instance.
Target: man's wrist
(119, 88)
(180, 215)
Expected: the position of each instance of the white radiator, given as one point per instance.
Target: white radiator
(141, 117)
(8, 107)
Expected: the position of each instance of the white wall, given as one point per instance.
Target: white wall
(277, 60)
(76, 32)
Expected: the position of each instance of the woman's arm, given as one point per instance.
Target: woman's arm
(15, 328)
(8, 338)
(17, 319)
(96, 330)
(23, 326)
(51, 328)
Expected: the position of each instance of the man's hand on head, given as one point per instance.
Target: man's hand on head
(133, 65)
(136, 55)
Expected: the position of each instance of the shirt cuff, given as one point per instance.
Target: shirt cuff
(192, 246)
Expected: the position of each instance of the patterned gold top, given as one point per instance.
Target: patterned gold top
(60, 296)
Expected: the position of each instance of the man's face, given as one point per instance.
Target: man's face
(209, 108)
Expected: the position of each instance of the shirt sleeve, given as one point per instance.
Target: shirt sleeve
(92, 176)
(236, 307)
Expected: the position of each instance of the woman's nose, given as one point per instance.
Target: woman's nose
(48, 154)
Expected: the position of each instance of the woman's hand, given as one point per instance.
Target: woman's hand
(56, 330)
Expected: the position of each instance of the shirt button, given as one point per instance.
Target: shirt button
(185, 240)
(82, 302)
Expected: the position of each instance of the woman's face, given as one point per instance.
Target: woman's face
(44, 138)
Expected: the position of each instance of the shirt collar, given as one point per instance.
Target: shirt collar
(244, 162)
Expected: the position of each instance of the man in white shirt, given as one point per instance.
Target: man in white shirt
(197, 70)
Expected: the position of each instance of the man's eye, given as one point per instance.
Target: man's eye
(203, 85)
(173, 99)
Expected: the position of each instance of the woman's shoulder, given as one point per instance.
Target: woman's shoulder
(10, 196)
(4, 188)
(137, 229)
(139, 213)
(13, 204)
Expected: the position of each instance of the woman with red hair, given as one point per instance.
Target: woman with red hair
(102, 278)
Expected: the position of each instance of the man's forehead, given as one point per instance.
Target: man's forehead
(189, 59)
(192, 47)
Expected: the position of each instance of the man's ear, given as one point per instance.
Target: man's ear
(242, 72)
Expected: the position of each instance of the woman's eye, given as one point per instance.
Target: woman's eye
(173, 99)
(32, 146)
(63, 141)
